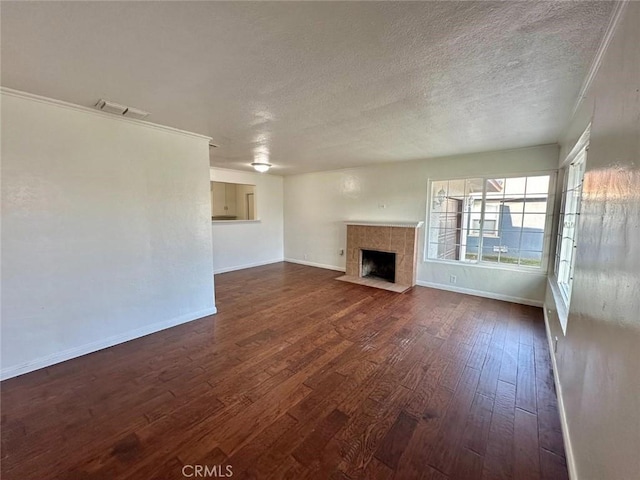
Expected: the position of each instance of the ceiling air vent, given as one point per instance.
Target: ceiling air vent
(111, 107)
(135, 113)
(117, 109)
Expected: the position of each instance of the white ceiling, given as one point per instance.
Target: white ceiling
(317, 86)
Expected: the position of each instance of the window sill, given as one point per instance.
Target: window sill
(492, 266)
(562, 309)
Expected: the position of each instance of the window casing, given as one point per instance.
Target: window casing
(568, 222)
(493, 221)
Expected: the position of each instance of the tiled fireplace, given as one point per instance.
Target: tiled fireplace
(399, 238)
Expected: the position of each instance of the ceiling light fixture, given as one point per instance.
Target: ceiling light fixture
(261, 166)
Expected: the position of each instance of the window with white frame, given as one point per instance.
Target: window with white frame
(569, 215)
(500, 221)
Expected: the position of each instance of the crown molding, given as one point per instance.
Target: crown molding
(72, 106)
(616, 15)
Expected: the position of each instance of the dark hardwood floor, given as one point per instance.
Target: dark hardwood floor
(300, 376)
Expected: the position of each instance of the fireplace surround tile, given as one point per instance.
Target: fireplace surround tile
(398, 236)
(394, 238)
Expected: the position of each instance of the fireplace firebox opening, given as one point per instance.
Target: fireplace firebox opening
(381, 265)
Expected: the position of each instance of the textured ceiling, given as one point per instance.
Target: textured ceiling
(316, 86)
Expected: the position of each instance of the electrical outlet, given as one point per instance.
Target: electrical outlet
(306, 256)
(453, 279)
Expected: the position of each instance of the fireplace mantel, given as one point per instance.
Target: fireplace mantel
(385, 224)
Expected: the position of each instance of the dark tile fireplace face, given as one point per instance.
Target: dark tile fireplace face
(378, 264)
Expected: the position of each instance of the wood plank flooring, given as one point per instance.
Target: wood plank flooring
(300, 376)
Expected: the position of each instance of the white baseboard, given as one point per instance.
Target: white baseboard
(314, 264)
(247, 265)
(481, 293)
(568, 450)
(48, 360)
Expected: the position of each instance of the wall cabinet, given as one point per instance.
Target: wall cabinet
(223, 200)
(233, 201)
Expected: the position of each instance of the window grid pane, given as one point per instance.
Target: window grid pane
(569, 215)
(503, 219)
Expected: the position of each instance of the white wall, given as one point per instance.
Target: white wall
(105, 231)
(597, 361)
(317, 204)
(244, 244)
